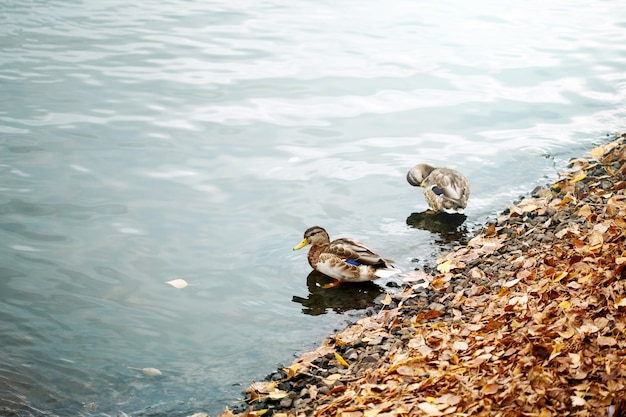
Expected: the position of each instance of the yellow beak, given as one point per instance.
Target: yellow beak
(301, 244)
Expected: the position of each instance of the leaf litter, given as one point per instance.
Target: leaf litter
(528, 319)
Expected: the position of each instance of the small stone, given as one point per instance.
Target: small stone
(323, 390)
(286, 402)
(437, 306)
(369, 358)
(351, 354)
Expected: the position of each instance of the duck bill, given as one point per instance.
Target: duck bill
(301, 244)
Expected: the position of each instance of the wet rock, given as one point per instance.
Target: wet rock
(286, 402)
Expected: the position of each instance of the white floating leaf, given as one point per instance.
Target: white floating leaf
(148, 371)
(178, 283)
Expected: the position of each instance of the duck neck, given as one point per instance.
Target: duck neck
(314, 254)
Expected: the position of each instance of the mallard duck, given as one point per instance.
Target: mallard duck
(444, 189)
(343, 259)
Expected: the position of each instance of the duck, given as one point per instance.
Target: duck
(445, 189)
(344, 259)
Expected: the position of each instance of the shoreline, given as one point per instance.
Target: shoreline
(529, 318)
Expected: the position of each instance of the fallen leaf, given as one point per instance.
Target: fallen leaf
(606, 341)
(429, 409)
(331, 379)
(567, 333)
(404, 370)
(512, 282)
(444, 267)
(341, 360)
(597, 152)
(490, 389)
(448, 399)
(178, 283)
(584, 211)
(578, 401)
(263, 387)
(565, 304)
(560, 276)
(278, 394)
(459, 345)
(147, 371)
(387, 300)
(226, 413)
(579, 177)
(350, 413)
(589, 328)
(556, 351)
(478, 360)
(429, 315)
(529, 208)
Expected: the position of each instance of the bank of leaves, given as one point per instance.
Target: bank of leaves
(541, 332)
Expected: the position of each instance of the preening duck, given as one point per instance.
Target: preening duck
(444, 189)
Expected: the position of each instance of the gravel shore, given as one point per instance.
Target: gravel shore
(529, 318)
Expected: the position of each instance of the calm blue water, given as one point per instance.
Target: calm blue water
(149, 141)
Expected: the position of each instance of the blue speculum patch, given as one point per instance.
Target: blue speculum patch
(437, 190)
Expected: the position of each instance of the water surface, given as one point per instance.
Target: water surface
(145, 142)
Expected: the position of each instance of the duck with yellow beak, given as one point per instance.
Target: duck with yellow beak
(344, 259)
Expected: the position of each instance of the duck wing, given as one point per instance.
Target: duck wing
(355, 251)
(450, 184)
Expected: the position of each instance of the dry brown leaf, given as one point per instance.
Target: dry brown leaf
(226, 413)
(490, 389)
(606, 341)
(597, 152)
(459, 345)
(331, 379)
(263, 387)
(476, 362)
(278, 394)
(588, 327)
(621, 302)
(567, 333)
(404, 370)
(429, 409)
(511, 283)
(387, 300)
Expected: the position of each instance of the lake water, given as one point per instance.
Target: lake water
(197, 140)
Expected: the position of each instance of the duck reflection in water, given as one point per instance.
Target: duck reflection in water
(449, 226)
(341, 298)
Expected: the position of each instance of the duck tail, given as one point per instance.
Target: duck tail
(387, 272)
